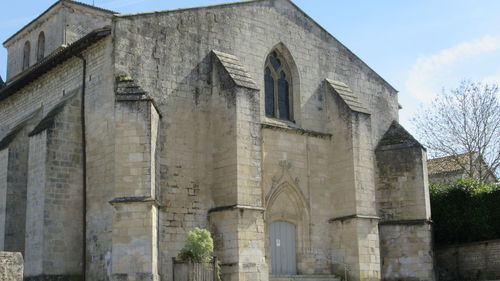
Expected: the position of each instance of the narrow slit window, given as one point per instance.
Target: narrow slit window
(40, 50)
(26, 55)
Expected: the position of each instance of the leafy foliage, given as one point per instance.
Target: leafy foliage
(199, 247)
(465, 211)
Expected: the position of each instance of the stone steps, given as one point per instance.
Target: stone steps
(304, 278)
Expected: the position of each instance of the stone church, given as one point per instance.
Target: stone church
(121, 132)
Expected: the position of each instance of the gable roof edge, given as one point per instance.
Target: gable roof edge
(256, 1)
(334, 38)
(53, 60)
(48, 10)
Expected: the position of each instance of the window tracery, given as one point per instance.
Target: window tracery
(277, 80)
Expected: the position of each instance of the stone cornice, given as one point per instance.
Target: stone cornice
(296, 130)
(236, 207)
(354, 216)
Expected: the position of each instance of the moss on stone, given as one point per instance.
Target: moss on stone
(122, 77)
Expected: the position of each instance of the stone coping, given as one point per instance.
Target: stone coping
(354, 216)
(138, 199)
(279, 126)
(236, 206)
(406, 222)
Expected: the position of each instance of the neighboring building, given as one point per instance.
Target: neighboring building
(120, 133)
(2, 84)
(449, 169)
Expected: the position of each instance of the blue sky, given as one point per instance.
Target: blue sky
(419, 46)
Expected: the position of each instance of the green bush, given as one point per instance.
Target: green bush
(199, 247)
(465, 212)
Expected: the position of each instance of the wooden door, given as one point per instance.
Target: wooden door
(282, 237)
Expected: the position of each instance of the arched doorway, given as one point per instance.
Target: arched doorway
(282, 240)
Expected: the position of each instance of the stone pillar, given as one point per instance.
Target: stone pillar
(54, 226)
(37, 173)
(237, 219)
(354, 229)
(15, 192)
(135, 218)
(354, 225)
(404, 207)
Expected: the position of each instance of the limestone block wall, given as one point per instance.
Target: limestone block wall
(404, 206)
(406, 251)
(11, 266)
(15, 207)
(52, 27)
(237, 217)
(46, 92)
(62, 25)
(54, 244)
(470, 261)
(135, 213)
(298, 189)
(100, 111)
(180, 54)
(35, 211)
(4, 161)
(168, 54)
(403, 185)
(224, 144)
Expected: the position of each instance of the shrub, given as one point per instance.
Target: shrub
(199, 247)
(465, 211)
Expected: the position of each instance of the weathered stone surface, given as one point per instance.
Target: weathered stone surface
(176, 137)
(469, 261)
(11, 266)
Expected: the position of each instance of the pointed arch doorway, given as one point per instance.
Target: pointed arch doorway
(282, 240)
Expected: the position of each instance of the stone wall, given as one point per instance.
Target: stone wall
(54, 195)
(470, 261)
(11, 266)
(404, 207)
(406, 251)
(63, 24)
(169, 55)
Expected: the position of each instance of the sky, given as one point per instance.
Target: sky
(421, 47)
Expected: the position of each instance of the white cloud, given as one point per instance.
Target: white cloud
(430, 73)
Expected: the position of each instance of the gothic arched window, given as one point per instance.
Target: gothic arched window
(26, 55)
(278, 81)
(40, 50)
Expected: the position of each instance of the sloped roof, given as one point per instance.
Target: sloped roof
(2, 83)
(397, 135)
(235, 69)
(11, 135)
(348, 96)
(53, 60)
(449, 164)
(49, 119)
